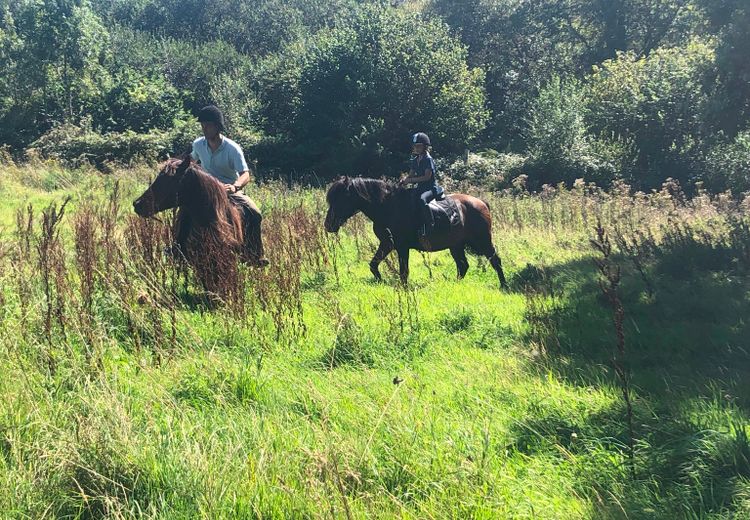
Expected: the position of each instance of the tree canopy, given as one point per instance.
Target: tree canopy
(639, 90)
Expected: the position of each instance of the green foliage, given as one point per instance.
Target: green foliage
(728, 165)
(392, 74)
(659, 104)
(600, 89)
(561, 147)
(256, 28)
(520, 46)
(78, 144)
(730, 20)
(140, 104)
(53, 51)
(198, 72)
(488, 170)
(557, 132)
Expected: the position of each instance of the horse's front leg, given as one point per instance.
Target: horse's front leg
(403, 265)
(384, 249)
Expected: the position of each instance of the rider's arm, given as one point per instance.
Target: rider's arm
(194, 153)
(242, 181)
(418, 178)
(242, 168)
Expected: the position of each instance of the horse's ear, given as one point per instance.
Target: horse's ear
(187, 160)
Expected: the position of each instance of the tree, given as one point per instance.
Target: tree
(253, 27)
(523, 45)
(729, 20)
(355, 93)
(659, 102)
(56, 57)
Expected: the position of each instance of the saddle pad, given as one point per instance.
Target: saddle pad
(446, 213)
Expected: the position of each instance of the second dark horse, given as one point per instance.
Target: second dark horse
(395, 221)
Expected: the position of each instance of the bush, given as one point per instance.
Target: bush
(728, 165)
(76, 144)
(491, 171)
(392, 73)
(659, 104)
(560, 147)
(141, 104)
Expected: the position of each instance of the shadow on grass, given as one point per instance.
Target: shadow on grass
(687, 352)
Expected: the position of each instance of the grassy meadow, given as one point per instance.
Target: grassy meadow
(315, 392)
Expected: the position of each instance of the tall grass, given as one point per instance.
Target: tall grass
(311, 391)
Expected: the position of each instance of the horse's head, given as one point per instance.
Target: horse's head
(162, 194)
(343, 202)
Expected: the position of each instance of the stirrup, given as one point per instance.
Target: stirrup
(425, 230)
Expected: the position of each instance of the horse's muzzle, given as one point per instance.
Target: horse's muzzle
(333, 228)
(332, 225)
(144, 207)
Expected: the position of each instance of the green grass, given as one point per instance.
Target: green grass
(430, 402)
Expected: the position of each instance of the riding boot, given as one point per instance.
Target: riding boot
(428, 220)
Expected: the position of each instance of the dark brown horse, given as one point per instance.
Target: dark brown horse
(208, 229)
(395, 219)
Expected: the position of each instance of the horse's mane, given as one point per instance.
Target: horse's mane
(368, 189)
(204, 200)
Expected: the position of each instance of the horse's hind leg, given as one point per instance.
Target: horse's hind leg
(485, 248)
(385, 247)
(498, 267)
(462, 264)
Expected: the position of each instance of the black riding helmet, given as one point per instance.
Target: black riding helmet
(212, 114)
(420, 138)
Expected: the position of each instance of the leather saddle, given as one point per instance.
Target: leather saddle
(445, 212)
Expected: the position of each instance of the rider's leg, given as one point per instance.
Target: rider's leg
(252, 219)
(428, 220)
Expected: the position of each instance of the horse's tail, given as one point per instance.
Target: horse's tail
(479, 239)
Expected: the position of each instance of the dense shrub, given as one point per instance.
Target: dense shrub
(659, 102)
(80, 143)
(728, 165)
(354, 94)
(560, 145)
(490, 171)
(140, 104)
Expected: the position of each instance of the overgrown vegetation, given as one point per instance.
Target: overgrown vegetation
(317, 392)
(609, 381)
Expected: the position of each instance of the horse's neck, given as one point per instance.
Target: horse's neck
(379, 212)
(195, 202)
